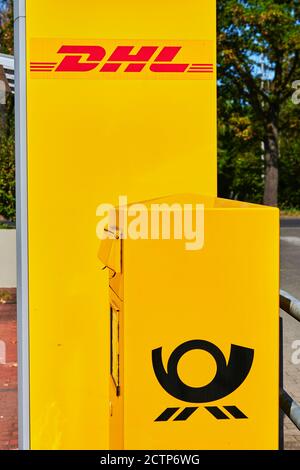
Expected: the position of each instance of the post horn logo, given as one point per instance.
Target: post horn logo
(229, 377)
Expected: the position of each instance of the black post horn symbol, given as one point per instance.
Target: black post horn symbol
(227, 379)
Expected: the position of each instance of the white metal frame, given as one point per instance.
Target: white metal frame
(22, 223)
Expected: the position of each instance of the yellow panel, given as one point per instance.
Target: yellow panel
(226, 295)
(88, 142)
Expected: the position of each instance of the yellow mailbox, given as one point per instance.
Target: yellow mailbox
(194, 332)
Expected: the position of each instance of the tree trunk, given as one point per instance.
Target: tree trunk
(271, 165)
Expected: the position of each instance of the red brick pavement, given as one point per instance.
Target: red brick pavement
(8, 378)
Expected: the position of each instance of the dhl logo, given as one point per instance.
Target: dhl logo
(157, 59)
(125, 59)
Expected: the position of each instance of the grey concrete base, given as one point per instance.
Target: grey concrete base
(8, 271)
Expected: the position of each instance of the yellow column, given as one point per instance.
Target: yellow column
(94, 134)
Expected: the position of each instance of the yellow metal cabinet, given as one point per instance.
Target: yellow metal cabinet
(194, 334)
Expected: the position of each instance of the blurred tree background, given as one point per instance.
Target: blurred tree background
(258, 61)
(258, 124)
(7, 128)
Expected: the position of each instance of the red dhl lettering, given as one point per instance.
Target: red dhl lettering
(85, 59)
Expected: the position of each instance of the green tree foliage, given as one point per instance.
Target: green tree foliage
(252, 110)
(7, 178)
(289, 162)
(7, 155)
(6, 26)
(240, 163)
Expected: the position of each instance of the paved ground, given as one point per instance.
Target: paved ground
(290, 281)
(8, 377)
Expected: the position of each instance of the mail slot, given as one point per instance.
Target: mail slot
(194, 332)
